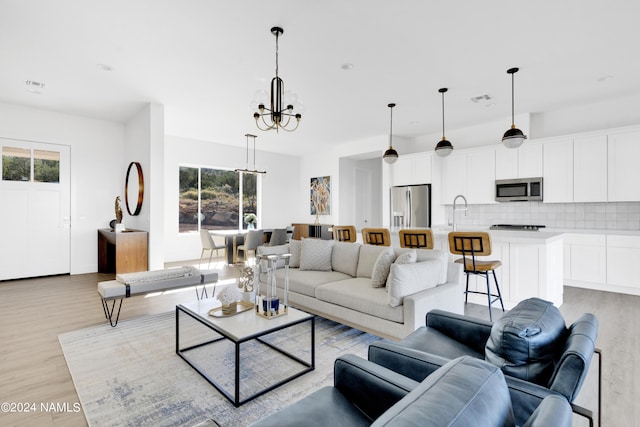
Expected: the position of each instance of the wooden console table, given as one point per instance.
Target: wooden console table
(318, 231)
(123, 252)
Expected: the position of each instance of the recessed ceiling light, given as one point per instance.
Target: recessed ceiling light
(35, 87)
(605, 79)
(414, 122)
(104, 67)
(347, 66)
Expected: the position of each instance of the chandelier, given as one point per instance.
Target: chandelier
(276, 117)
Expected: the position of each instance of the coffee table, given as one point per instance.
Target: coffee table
(201, 332)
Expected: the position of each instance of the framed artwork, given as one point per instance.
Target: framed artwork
(320, 195)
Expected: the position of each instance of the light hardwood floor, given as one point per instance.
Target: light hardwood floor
(33, 312)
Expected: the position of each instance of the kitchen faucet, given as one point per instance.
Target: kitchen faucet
(453, 222)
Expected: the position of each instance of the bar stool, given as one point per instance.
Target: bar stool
(344, 233)
(472, 245)
(376, 236)
(416, 238)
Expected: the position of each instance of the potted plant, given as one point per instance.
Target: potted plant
(250, 219)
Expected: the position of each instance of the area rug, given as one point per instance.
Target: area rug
(131, 376)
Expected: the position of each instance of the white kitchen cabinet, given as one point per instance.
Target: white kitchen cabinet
(470, 173)
(624, 167)
(481, 177)
(523, 162)
(587, 261)
(623, 254)
(590, 169)
(412, 169)
(558, 171)
(454, 176)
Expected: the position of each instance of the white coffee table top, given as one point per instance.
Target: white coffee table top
(243, 325)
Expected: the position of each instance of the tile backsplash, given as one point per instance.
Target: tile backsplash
(606, 216)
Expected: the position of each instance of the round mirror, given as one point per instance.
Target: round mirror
(134, 186)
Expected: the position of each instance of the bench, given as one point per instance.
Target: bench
(144, 282)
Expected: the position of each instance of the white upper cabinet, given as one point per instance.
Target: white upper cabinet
(558, 171)
(590, 169)
(412, 169)
(523, 162)
(624, 167)
(470, 173)
(481, 177)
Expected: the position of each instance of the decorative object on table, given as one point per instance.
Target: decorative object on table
(137, 187)
(278, 98)
(250, 219)
(231, 310)
(514, 137)
(320, 196)
(229, 296)
(444, 147)
(246, 284)
(119, 226)
(391, 155)
(268, 304)
(246, 169)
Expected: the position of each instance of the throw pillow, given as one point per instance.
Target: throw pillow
(295, 247)
(367, 259)
(344, 257)
(381, 268)
(407, 279)
(315, 254)
(407, 257)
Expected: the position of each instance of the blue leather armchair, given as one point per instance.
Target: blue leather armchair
(465, 391)
(530, 344)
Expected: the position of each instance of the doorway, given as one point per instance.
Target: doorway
(35, 217)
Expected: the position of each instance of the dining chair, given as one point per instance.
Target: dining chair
(253, 239)
(211, 243)
(344, 233)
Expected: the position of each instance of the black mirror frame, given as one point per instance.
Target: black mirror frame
(140, 188)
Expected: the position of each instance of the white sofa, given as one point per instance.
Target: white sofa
(382, 290)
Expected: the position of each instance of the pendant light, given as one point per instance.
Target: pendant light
(246, 170)
(444, 147)
(390, 156)
(514, 137)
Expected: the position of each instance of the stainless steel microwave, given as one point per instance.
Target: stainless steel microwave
(519, 190)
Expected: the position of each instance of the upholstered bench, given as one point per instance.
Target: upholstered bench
(144, 282)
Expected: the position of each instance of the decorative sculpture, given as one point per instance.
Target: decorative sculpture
(118, 208)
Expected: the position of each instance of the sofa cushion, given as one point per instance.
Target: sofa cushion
(464, 392)
(295, 247)
(367, 259)
(357, 294)
(407, 257)
(430, 254)
(344, 257)
(316, 254)
(525, 341)
(381, 268)
(407, 279)
(306, 282)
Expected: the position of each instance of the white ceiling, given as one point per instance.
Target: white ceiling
(204, 60)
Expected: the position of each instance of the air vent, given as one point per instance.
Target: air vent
(481, 98)
(33, 86)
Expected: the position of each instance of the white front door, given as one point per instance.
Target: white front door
(35, 212)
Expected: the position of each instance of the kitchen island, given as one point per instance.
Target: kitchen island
(532, 264)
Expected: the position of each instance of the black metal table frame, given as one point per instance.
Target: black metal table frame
(235, 399)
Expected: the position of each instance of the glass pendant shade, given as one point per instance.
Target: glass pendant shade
(444, 148)
(514, 137)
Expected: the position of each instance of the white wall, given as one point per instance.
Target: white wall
(144, 135)
(281, 199)
(97, 149)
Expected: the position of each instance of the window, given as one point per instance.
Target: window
(19, 163)
(211, 199)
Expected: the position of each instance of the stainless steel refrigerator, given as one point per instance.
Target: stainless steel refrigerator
(411, 206)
